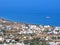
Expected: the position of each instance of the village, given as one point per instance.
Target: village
(28, 34)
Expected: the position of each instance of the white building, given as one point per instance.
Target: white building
(54, 43)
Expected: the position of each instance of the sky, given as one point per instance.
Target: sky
(45, 12)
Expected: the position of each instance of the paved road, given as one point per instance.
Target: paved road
(13, 44)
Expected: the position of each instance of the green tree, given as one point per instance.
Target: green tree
(34, 42)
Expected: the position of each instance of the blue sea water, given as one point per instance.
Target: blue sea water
(46, 12)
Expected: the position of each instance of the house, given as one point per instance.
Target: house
(1, 37)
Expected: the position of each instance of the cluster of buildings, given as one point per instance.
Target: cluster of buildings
(13, 32)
